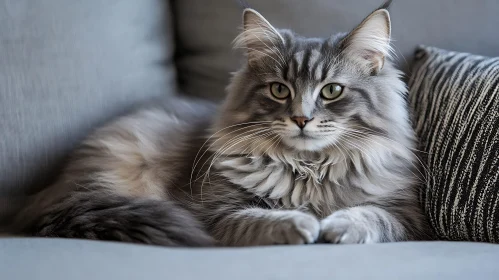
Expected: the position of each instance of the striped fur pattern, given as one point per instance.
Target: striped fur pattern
(455, 97)
(263, 175)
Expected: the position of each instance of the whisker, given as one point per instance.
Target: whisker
(422, 165)
(230, 144)
(215, 158)
(196, 161)
(272, 49)
(370, 139)
(234, 141)
(264, 54)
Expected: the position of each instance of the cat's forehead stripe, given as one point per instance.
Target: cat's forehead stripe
(299, 59)
(308, 62)
(314, 63)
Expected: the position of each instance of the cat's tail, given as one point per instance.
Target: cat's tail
(107, 216)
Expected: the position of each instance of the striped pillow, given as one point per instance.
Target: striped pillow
(455, 101)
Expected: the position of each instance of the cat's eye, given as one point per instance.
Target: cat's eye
(279, 91)
(331, 91)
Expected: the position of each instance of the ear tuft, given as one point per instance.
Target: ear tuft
(369, 43)
(259, 37)
(386, 5)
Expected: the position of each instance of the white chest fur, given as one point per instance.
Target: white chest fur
(317, 183)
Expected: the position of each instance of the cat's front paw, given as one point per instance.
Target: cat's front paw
(292, 227)
(339, 228)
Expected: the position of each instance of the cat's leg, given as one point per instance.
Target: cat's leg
(257, 226)
(361, 224)
(373, 224)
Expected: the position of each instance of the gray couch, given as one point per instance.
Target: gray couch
(67, 66)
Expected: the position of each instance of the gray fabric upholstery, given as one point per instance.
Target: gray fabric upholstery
(69, 65)
(57, 259)
(66, 66)
(206, 29)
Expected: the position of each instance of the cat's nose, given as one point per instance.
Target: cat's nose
(301, 121)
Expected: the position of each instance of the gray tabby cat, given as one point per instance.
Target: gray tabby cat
(313, 144)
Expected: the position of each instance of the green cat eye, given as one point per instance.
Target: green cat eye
(279, 91)
(331, 91)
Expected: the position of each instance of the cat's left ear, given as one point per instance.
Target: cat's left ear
(369, 42)
(259, 37)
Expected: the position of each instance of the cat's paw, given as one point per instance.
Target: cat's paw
(339, 228)
(292, 227)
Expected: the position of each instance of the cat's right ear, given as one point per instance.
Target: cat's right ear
(258, 37)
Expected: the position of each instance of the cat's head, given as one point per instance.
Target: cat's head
(312, 93)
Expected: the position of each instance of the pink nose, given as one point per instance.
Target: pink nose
(301, 121)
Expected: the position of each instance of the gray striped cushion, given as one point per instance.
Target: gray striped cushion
(455, 100)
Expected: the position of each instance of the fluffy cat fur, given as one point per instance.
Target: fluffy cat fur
(296, 170)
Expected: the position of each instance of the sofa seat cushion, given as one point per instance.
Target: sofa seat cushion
(62, 259)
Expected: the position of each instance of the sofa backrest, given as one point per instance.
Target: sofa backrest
(206, 29)
(67, 66)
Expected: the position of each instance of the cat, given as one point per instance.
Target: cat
(312, 144)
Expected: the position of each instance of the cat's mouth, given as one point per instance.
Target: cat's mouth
(306, 141)
(303, 136)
